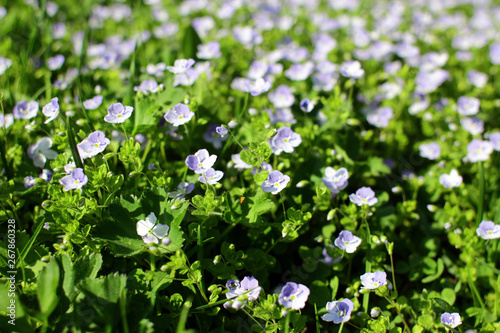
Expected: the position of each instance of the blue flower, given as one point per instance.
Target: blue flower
(374, 280)
(4, 64)
(479, 150)
(76, 180)
(179, 115)
(94, 144)
(488, 230)
(364, 196)
(451, 319)
(118, 113)
(467, 106)
(431, 150)
(335, 180)
(148, 86)
(275, 182)
(221, 130)
(307, 105)
(51, 110)
(258, 86)
(210, 50)
(182, 189)
(285, 140)
(181, 66)
(213, 136)
(200, 162)
(281, 97)
(351, 69)
(241, 292)
(294, 296)
(211, 176)
(55, 62)
(346, 241)
(338, 311)
(25, 110)
(93, 103)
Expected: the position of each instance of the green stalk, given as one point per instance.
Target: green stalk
(342, 324)
(72, 144)
(3, 147)
(400, 314)
(316, 317)
(479, 216)
(200, 254)
(123, 311)
(368, 264)
(184, 315)
(30, 243)
(287, 323)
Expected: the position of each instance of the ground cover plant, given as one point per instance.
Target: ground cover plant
(250, 166)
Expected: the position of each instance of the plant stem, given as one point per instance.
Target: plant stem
(393, 275)
(287, 323)
(342, 326)
(479, 216)
(368, 264)
(400, 314)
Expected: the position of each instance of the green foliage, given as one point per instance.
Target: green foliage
(80, 264)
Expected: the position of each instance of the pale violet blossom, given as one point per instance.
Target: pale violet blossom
(51, 110)
(346, 241)
(488, 230)
(338, 311)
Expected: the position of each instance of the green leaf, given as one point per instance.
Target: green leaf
(443, 304)
(448, 295)
(417, 329)
(120, 231)
(108, 288)
(439, 271)
(260, 206)
(190, 43)
(426, 321)
(47, 284)
(144, 117)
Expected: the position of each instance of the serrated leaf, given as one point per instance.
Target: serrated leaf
(120, 232)
(108, 288)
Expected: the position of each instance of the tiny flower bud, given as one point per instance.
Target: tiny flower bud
(374, 313)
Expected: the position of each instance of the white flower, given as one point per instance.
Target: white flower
(40, 152)
(150, 231)
(452, 180)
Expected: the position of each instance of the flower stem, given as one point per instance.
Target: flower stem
(342, 325)
(153, 262)
(400, 314)
(124, 131)
(480, 204)
(392, 269)
(368, 264)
